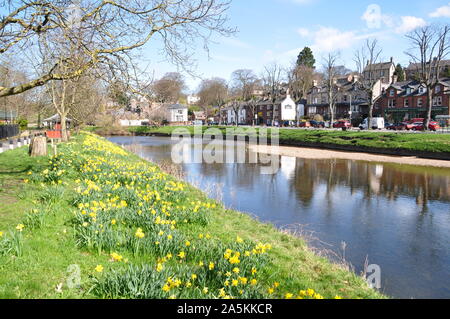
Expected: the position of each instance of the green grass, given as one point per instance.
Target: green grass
(436, 143)
(49, 250)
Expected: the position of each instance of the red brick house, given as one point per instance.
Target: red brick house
(407, 100)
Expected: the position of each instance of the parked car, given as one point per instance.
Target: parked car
(304, 124)
(390, 126)
(412, 123)
(420, 126)
(398, 126)
(342, 124)
(317, 124)
(377, 124)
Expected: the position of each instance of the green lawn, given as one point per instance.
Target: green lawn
(61, 233)
(415, 142)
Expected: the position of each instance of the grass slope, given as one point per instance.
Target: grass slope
(415, 142)
(54, 233)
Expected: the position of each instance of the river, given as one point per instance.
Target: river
(396, 216)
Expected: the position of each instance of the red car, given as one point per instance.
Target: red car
(304, 124)
(420, 126)
(342, 124)
(411, 124)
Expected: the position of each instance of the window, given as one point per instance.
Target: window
(422, 90)
(312, 110)
(288, 107)
(437, 89)
(406, 103)
(392, 103)
(437, 101)
(391, 92)
(419, 102)
(180, 111)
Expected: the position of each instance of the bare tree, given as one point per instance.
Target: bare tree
(243, 83)
(213, 92)
(331, 73)
(429, 46)
(169, 89)
(106, 32)
(366, 60)
(272, 77)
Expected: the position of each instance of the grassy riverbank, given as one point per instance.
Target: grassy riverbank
(133, 231)
(433, 143)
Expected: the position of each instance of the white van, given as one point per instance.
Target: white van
(377, 124)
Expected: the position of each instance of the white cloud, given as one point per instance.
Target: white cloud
(442, 12)
(303, 32)
(330, 39)
(410, 23)
(375, 19)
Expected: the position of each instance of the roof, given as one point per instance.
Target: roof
(177, 106)
(55, 118)
(415, 66)
(379, 66)
(200, 114)
(414, 87)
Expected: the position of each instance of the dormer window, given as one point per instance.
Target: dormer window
(391, 92)
(437, 89)
(422, 90)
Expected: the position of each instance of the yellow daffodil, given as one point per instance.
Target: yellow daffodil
(99, 268)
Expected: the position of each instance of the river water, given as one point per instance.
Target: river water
(395, 216)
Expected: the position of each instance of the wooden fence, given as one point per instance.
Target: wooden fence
(7, 131)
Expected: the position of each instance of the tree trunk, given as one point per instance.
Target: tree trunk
(332, 117)
(38, 146)
(64, 134)
(429, 108)
(369, 120)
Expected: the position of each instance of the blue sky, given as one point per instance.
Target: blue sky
(276, 30)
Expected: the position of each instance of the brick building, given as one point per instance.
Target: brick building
(402, 101)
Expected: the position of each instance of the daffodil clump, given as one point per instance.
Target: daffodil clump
(12, 242)
(147, 223)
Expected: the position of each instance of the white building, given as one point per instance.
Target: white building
(177, 113)
(126, 123)
(193, 99)
(242, 116)
(288, 109)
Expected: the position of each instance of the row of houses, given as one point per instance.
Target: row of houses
(393, 100)
(263, 111)
(407, 100)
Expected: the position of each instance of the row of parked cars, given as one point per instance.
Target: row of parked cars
(414, 125)
(378, 123)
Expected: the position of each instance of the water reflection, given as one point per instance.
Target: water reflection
(397, 216)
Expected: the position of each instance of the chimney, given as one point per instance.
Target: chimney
(392, 59)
